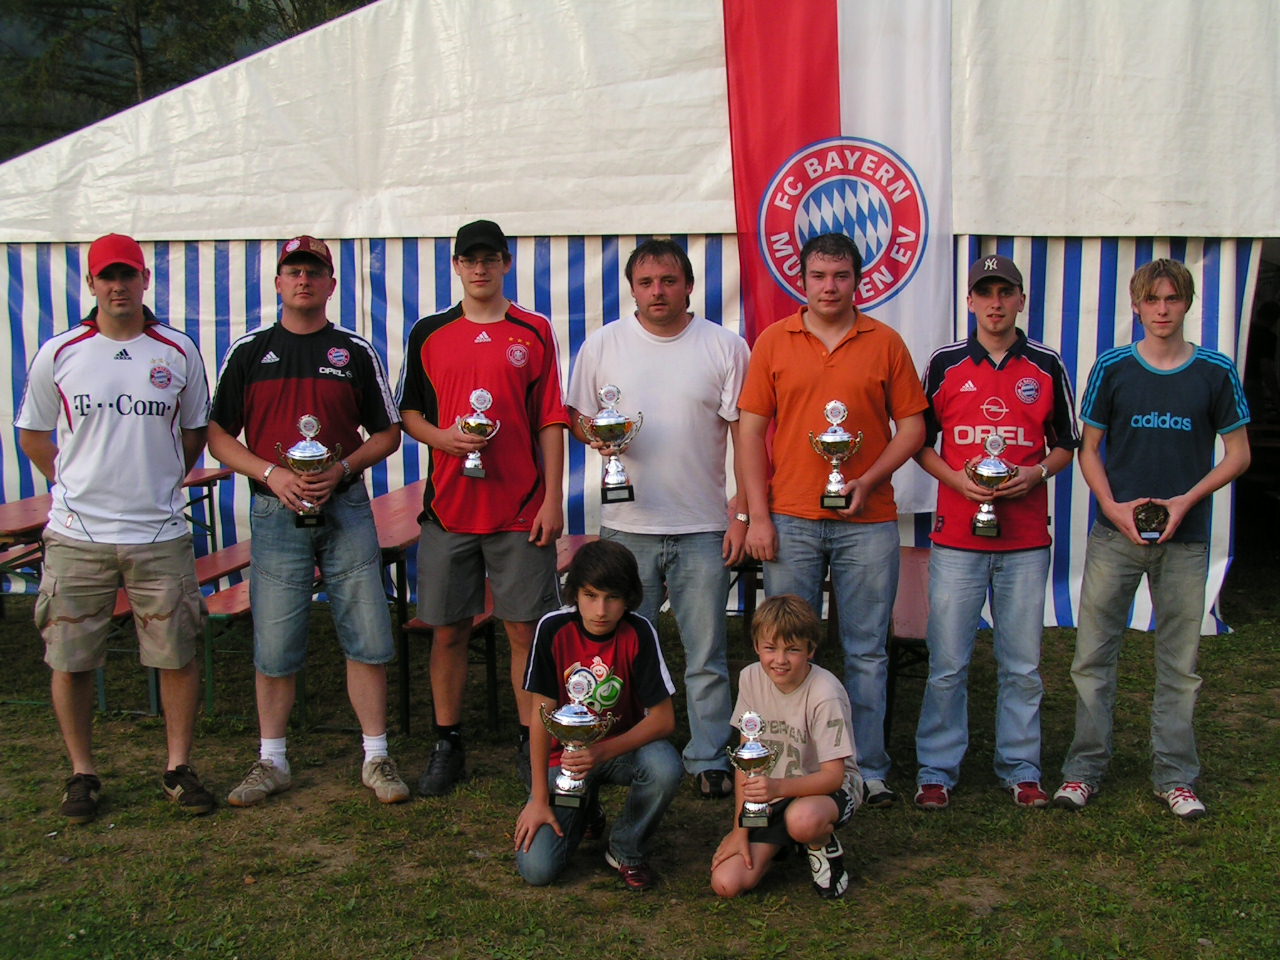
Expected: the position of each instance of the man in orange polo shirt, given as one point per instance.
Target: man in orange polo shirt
(828, 351)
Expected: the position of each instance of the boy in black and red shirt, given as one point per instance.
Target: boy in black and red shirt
(620, 650)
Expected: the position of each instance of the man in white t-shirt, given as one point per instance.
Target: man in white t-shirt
(129, 402)
(684, 373)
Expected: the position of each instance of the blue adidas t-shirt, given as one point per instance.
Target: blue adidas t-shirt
(1161, 425)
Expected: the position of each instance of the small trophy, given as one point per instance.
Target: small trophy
(835, 445)
(1150, 519)
(752, 758)
(990, 472)
(615, 430)
(575, 726)
(306, 456)
(478, 424)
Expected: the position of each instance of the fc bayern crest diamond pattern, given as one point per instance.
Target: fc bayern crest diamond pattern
(849, 206)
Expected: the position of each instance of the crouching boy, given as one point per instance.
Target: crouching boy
(600, 634)
(814, 784)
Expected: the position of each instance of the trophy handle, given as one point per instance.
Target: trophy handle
(585, 424)
(497, 425)
(817, 448)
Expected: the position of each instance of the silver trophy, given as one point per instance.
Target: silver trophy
(478, 424)
(309, 456)
(576, 726)
(835, 445)
(991, 472)
(615, 430)
(753, 758)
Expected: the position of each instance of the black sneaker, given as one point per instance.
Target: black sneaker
(80, 798)
(185, 789)
(826, 869)
(447, 767)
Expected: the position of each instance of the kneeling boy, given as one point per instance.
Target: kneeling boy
(814, 784)
(620, 649)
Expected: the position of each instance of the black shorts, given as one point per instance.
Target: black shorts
(776, 832)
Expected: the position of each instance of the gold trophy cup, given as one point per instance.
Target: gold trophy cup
(752, 757)
(835, 445)
(576, 726)
(615, 430)
(991, 472)
(478, 424)
(306, 456)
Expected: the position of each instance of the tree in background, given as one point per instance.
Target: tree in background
(66, 64)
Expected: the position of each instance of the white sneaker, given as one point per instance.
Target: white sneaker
(1073, 795)
(380, 776)
(1183, 802)
(263, 779)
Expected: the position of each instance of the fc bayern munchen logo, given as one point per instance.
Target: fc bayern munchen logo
(161, 377)
(339, 356)
(852, 186)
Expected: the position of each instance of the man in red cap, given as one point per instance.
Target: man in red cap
(301, 378)
(129, 402)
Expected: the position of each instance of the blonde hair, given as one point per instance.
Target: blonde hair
(1145, 277)
(786, 617)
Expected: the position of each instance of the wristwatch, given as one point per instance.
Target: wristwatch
(743, 517)
(346, 469)
(1044, 473)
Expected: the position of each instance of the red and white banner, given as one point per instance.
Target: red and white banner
(840, 120)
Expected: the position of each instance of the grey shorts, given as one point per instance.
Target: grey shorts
(452, 568)
(78, 595)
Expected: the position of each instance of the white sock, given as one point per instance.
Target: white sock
(374, 747)
(273, 749)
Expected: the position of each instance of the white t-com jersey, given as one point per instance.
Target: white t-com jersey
(119, 408)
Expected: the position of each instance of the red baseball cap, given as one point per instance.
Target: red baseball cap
(115, 248)
(309, 246)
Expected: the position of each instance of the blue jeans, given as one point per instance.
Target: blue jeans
(282, 581)
(1176, 573)
(692, 567)
(958, 584)
(863, 558)
(652, 772)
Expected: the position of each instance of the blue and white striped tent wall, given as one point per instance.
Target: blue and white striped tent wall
(215, 290)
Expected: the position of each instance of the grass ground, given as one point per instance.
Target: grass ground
(325, 871)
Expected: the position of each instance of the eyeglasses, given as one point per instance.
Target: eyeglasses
(293, 272)
(489, 263)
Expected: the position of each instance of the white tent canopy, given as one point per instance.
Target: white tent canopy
(592, 117)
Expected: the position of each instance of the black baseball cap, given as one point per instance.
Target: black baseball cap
(479, 233)
(994, 265)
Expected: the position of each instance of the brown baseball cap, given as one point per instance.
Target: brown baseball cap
(994, 265)
(306, 245)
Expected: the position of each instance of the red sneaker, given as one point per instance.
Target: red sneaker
(637, 876)
(932, 796)
(1029, 794)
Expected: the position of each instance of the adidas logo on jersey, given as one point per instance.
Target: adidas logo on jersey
(483, 338)
(968, 387)
(122, 355)
(270, 357)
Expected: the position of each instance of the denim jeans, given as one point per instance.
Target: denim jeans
(697, 581)
(959, 581)
(652, 772)
(282, 580)
(863, 558)
(1176, 573)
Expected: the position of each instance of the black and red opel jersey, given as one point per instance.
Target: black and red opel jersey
(1026, 400)
(272, 377)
